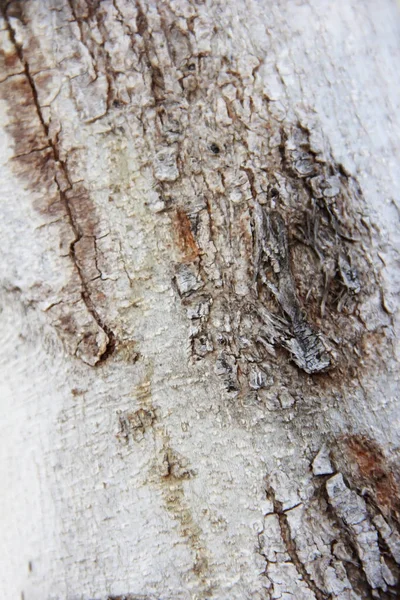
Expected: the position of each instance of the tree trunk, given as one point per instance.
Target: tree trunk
(199, 283)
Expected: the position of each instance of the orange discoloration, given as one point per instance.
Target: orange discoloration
(185, 239)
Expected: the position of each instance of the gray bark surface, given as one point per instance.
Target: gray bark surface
(199, 283)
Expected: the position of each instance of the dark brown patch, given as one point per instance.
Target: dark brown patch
(77, 392)
(15, 9)
(36, 171)
(43, 82)
(185, 238)
(82, 210)
(9, 59)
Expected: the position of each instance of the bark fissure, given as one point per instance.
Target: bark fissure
(290, 545)
(85, 294)
(185, 181)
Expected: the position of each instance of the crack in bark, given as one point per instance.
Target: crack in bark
(157, 78)
(291, 546)
(85, 293)
(373, 572)
(353, 515)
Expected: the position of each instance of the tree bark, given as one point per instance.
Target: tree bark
(199, 285)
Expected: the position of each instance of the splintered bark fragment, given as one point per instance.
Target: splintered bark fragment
(306, 345)
(389, 535)
(352, 509)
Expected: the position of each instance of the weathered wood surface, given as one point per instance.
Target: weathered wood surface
(199, 287)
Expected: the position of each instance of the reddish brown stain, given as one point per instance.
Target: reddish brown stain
(374, 472)
(9, 63)
(36, 172)
(184, 235)
(82, 210)
(44, 82)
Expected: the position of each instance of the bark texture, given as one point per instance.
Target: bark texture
(199, 286)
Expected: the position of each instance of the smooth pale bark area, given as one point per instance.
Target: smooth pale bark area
(199, 286)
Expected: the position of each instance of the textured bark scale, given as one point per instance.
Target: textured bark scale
(199, 291)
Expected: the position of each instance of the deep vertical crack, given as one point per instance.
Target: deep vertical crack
(85, 294)
(291, 547)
